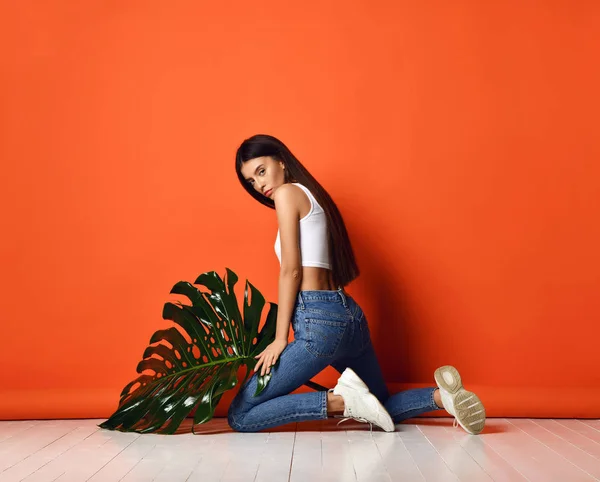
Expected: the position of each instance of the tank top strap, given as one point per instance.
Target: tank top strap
(313, 201)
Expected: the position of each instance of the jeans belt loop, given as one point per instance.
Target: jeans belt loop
(300, 300)
(343, 296)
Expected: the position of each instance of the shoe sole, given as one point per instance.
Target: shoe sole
(468, 409)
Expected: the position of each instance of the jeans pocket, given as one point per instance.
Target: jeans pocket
(328, 311)
(323, 337)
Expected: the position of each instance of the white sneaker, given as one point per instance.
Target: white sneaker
(360, 404)
(465, 406)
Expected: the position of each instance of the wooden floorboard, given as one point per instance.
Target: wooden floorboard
(423, 449)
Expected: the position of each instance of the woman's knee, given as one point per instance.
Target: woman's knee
(238, 427)
(237, 424)
(235, 417)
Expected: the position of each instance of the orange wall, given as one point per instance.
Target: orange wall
(460, 142)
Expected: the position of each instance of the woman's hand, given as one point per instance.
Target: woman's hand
(269, 356)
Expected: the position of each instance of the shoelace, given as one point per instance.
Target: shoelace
(359, 419)
(455, 422)
(363, 420)
(473, 422)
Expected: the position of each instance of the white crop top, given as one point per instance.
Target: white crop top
(313, 235)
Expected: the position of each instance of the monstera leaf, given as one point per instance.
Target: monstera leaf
(194, 364)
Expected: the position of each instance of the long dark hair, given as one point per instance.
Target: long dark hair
(343, 263)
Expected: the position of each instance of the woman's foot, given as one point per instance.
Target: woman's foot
(466, 407)
(359, 403)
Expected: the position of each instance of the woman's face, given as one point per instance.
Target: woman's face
(264, 174)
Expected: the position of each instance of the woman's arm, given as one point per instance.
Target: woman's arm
(287, 206)
(290, 273)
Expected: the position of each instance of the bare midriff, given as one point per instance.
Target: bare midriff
(316, 279)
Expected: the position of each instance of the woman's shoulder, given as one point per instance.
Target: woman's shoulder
(289, 192)
(291, 197)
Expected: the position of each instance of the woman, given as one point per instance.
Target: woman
(330, 328)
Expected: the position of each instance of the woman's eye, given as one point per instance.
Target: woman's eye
(260, 172)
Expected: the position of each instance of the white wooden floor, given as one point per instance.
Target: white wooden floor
(420, 449)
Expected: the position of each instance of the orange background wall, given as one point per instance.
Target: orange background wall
(459, 140)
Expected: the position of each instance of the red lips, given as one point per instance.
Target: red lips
(268, 192)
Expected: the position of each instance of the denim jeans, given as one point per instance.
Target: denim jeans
(329, 329)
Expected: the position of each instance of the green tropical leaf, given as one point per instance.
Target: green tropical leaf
(196, 361)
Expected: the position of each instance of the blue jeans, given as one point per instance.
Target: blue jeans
(329, 329)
